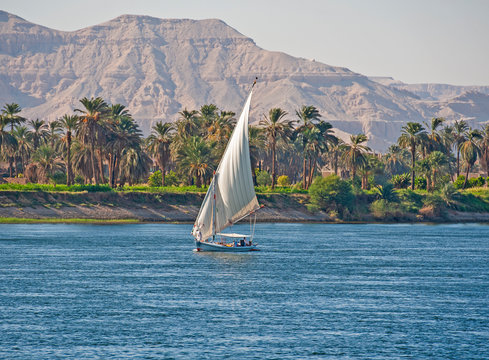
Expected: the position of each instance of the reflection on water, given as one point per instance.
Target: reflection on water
(229, 258)
(314, 291)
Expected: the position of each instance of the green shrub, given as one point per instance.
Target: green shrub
(263, 178)
(79, 180)
(420, 183)
(283, 180)
(155, 179)
(401, 181)
(385, 210)
(476, 182)
(410, 200)
(279, 190)
(332, 193)
(459, 183)
(171, 179)
(386, 192)
(448, 193)
(297, 187)
(59, 178)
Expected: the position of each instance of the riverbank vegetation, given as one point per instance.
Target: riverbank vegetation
(100, 148)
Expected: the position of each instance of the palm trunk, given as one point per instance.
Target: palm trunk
(466, 176)
(304, 173)
(111, 169)
(273, 165)
(335, 164)
(364, 181)
(458, 162)
(162, 167)
(487, 173)
(413, 159)
(11, 166)
(69, 177)
(101, 166)
(116, 169)
(311, 172)
(253, 175)
(92, 160)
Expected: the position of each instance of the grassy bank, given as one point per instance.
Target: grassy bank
(137, 188)
(334, 201)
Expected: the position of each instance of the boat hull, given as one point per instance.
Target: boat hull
(210, 246)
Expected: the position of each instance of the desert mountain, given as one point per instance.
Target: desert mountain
(158, 67)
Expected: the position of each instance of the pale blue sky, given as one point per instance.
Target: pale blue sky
(443, 41)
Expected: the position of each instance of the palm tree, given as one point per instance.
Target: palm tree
(121, 133)
(320, 137)
(410, 137)
(159, 145)
(69, 123)
(386, 192)
(54, 128)
(220, 128)
(460, 135)
(395, 160)
(447, 139)
(8, 142)
(197, 158)
(354, 155)
(308, 116)
(38, 132)
(118, 112)
(335, 154)
(188, 123)
(24, 145)
(207, 114)
(257, 145)
(91, 129)
(470, 151)
(275, 126)
(81, 158)
(438, 162)
(484, 147)
(434, 136)
(47, 161)
(372, 165)
(10, 115)
(9, 112)
(135, 165)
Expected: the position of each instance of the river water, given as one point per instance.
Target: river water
(316, 291)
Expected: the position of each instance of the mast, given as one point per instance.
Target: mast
(214, 206)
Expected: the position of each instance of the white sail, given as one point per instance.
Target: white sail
(234, 189)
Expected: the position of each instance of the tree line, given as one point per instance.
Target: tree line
(101, 143)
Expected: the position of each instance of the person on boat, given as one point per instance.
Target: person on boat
(198, 236)
(242, 242)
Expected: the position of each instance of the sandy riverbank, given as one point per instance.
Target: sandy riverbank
(174, 207)
(145, 207)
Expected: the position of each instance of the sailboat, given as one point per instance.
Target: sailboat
(231, 196)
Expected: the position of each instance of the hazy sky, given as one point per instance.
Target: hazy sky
(443, 41)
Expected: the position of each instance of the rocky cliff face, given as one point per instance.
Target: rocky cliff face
(157, 67)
